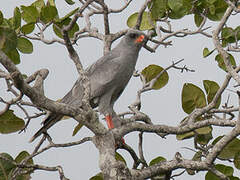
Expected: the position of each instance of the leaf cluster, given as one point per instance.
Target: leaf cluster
(8, 165)
(13, 32)
(177, 9)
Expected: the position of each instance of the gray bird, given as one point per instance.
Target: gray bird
(108, 77)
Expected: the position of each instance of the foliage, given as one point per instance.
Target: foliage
(8, 166)
(9, 122)
(201, 104)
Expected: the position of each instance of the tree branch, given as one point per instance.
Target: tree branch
(220, 49)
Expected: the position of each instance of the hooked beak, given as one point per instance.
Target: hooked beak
(140, 39)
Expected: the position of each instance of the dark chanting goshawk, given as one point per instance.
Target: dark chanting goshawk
(108, 77)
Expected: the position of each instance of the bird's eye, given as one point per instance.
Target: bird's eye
(133, 35)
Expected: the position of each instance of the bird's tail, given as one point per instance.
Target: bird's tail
(48, 122)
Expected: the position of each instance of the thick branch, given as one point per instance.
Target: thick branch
(36, 97)
(135, 126)
(166, 166)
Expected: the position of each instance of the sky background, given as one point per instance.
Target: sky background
(163, 106)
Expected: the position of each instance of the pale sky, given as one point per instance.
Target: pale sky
(163, 106)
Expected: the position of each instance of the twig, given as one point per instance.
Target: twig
(140, 149)
(179, 174)
(140, 14)
(105, 16)
(136, 160)
(51, 145)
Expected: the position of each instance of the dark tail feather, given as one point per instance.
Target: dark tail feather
(49, 122)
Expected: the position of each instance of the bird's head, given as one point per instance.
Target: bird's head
(135, 38)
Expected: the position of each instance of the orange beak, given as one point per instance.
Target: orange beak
(140, 39)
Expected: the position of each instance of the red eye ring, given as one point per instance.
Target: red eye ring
(140, 39)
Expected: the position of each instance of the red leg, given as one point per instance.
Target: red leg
(123, 141)
(110, 124)
(109, 121)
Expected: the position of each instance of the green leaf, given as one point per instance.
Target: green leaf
(13, 55)
(227, 32)
(212, 9)
(217, 13)
(119, 157)
(10, 22)
(211, 1)
(228, 36)
(24, 45)
(8, 39)
(198, 19)
(229, 151)
(227, 170)
(176, 15)
(48, 13)
(175, 5)
(99, 176)
(38, 5)
(51, 2)
(204, 130)
(70, 2)
(67, 16)
(192, 97)
(236, 30)
(151, 72)
(206, 52)
(77, 128)
(5, 166)
(30, 14)
(6, 24)
(236, 160)
(61, 24)
(28, 28)
(185, 136)
(157, 160)
(158, 8)
(221, 63)
(204, 139)
(146, 23)
(211, 89)
(17, 18)
(202, 135)
(179, 8)
(1, 18)
(233, 178)
(10, 123)
(20, 157)
(197, 156)
(23, 155)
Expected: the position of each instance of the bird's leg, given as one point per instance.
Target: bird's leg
(111, 125)
(109, 121)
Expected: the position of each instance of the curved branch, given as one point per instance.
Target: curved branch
(136, 126)
(219, 47)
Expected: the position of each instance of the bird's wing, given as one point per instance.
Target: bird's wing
(74, 96)
(103, 74)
